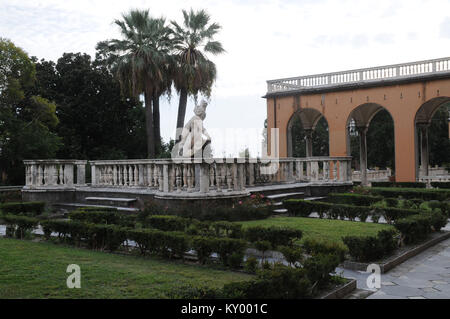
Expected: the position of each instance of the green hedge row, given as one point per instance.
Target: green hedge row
(103, 217)
(165, 243)
(23, 208)
(400, 184)
(354, 199)
(276, 236)
(408, 193)
(371, 248)
(445, 185)
(416, 228)
(18, 226)
(303, 208)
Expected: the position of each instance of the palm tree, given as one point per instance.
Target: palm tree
(194, 73)
(141, 62)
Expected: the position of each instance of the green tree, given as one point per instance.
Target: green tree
(141, 61)
(26, 118)
(194, 72)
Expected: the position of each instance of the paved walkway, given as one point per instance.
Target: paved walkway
(425, 276)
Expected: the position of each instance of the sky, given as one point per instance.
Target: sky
(263, 39)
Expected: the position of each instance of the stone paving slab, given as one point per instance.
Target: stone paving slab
(425, 276)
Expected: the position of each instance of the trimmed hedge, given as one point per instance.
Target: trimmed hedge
(18, 226)
(103, 217)
(445, 185)
(23, 208)
(277, 236)
(408, 193)
(400, 184)
(416, 228)
(303, 208)
(371, 248)
(354, 199)
(315, 247)
(166, 223)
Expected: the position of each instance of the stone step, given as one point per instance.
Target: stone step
(277, 204)
(314, 198)
(114, 201)
(286, 196)
(73, 206)
(280, 211)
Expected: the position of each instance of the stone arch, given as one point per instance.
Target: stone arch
(309, 118)
(359, 119)
(422, 121)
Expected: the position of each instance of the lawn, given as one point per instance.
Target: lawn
(38, 270)
(322, 229)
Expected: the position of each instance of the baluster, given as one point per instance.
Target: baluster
(60, 174)
(136, 175)
(190, 178)
(229, 174)
(335, 170)
(185, 176)
(156, 176)
(160, 178)
(219, 177)
(326, 170)
(211, 175)
(178, 177)
(125, 175)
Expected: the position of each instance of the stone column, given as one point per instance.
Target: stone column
(424, 153)
(362, 131)
(308, 141)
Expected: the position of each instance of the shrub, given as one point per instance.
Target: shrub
(225, 247)
(414, 228)
(277, 236)
(445, 185)
(409, 193)
(281, 282)
(251, 265)
(23, 208)
(166, 223)
(204, 246)
(370, 248)
(314, 247)
(103, 217)
(235, 260)
(227, 229)
(263, 246)
(291, 254)
(353, 199)
(400, 184)
(19, 226)
(319, 267)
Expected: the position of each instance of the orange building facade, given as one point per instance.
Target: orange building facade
(410, 97)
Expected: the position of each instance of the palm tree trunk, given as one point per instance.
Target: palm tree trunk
(149, 125)
(156, 125)
(181, 113)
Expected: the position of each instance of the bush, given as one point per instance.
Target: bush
(314, 247)
(103, 217)
(166, 223)
(445, 185)
(226, 247)
(277, 236)
(204, 246)
(319, 267)
(291, 254)
(414, 228)
(251, 265)
(408, 193)
(371, 248)
(400, 184)
(23, 208)
(19, 226)
(281, 282)
(353, 199)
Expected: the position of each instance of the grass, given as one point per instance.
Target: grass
(38, 270)
(321, 229)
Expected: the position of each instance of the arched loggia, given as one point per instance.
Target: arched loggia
(307, 134)
(426, 123)
(360, 130)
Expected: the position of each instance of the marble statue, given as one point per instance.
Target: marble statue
(195, 140)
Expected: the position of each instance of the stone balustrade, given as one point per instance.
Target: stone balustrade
(189, 178)
(377, 74)
(373, 175)
(55, 173)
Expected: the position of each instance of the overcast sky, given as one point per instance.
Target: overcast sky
(264, 39)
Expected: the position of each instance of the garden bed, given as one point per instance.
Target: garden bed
(400, 255)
